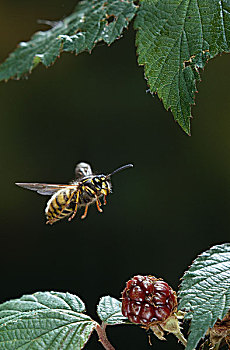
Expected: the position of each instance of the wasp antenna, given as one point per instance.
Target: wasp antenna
(121, 168)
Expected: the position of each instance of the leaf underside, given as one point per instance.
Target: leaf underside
(205, 291)
(44, 320)
(109, 311)
(91, 22)
(175, 39)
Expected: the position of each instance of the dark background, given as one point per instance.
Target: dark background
(170, 207)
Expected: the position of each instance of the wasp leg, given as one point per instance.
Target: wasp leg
(105, 201)
(85, 212)
(98, 203)
(52, 221)
(75, 209)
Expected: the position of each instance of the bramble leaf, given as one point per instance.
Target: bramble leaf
(175, 39)
(205, 291)
(91, 22)
(109, 311)
(44, 320)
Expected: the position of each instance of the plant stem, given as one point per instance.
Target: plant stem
(103, 337)
(217, 345)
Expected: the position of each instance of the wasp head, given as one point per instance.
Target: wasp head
(102, 184)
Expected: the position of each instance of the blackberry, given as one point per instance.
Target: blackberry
(148, 300)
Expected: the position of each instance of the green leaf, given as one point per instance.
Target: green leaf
(44, 320)
(109, 311)
(91, 22)
(205, 291)
(175, 39)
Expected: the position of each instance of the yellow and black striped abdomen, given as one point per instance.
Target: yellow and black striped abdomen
(64, 202)
(60, 205)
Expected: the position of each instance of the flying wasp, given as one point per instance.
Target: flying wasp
(86, 189)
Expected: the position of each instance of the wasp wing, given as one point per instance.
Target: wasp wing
(45, 189)
(82, 169)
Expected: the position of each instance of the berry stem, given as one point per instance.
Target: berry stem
(172, 325)
(181, 338)
(103, 337)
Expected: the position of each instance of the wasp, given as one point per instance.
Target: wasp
(86, 189)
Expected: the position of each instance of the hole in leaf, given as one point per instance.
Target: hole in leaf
(187, 63)
(110, 19)
(76, 32)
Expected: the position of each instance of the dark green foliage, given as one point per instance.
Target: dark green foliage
(91, 22)
(45, 320)
(174, 40)
(109, 311)
(205, 291)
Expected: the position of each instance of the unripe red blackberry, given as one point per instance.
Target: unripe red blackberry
(148, 300)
